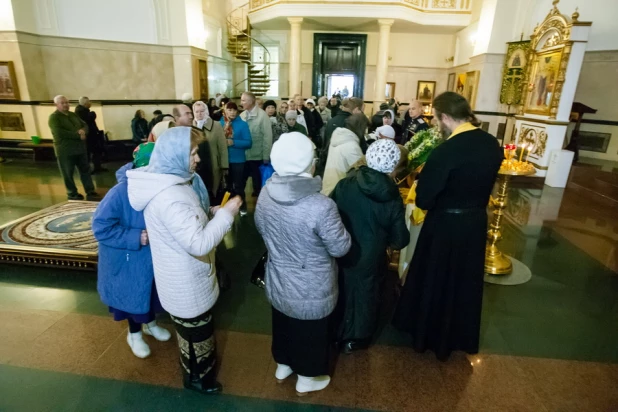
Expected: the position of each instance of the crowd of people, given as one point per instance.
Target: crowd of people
(327, 216)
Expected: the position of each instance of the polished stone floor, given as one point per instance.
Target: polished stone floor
(548, 345)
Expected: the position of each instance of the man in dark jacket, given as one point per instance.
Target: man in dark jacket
(314, 121)
(69, 133)
(157, 117)
(348, 107)
(372, 211)
(94, 142)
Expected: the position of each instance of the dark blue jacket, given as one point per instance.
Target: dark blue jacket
(242, 140)
(125, 267)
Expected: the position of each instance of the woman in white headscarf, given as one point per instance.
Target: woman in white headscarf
(372, 211)
(159, 129)
(303, 234)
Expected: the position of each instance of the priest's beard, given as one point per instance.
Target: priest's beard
(444, 130)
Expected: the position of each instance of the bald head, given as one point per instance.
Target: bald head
(183, 115)
(62, 103)
(416, 109)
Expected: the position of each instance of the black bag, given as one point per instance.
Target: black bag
(258, 277)
(223, 278)
(221, 191)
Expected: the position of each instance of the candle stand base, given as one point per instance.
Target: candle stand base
(520, 274)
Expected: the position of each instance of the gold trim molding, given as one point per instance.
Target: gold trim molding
(544, 121)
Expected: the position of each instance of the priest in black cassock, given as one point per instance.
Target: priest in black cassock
(440, 305)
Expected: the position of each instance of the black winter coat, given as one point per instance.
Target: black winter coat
(373, 213)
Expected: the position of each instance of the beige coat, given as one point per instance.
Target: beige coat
(218, 150)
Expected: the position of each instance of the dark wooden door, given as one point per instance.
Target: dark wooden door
(339, 59)
(338, 54)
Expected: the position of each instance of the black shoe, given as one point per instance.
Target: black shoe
(351, 346)
(198, 386)
(93, 197)
(78, 196)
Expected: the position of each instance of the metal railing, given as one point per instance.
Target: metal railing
(444, 6)
(238, 25)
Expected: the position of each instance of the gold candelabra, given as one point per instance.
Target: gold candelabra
(497, 263)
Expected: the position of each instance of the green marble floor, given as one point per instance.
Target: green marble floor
(568, 311)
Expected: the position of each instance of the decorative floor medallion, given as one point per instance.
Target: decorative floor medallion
(59, 235)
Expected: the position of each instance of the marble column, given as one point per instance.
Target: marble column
(382, 62)
(294, 76)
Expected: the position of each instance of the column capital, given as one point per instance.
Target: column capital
(386, 22)
(295, 20)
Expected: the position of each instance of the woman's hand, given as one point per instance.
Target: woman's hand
(233, 205)
(144, 238)
(214, 210)
(230, 142)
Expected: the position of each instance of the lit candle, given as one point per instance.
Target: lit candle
(528, 155)
(521, 154)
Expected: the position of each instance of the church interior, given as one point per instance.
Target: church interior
(538, 74)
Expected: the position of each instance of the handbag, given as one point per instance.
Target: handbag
(266, 170)
(223, 277)
(258, 276)
(221, 191)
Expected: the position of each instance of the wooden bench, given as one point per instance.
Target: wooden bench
(41, 151)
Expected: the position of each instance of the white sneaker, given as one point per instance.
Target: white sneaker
(159, 333)
(137, 344)
(306, 384)
(283, 371)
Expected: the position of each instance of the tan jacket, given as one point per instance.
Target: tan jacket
(218, 149)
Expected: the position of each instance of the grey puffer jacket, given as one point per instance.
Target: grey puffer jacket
(303, 234)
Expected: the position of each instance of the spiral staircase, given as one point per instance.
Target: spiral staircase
(240, 44)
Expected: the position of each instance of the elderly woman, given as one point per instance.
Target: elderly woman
(300, 117)
(184, 232)
(127, 287)
(372, 210)
(139, 127)
(291, 118)
(345, 150)
(277, 120)
(159, 129)
(215, 145)
(303, 234)
(324, 112)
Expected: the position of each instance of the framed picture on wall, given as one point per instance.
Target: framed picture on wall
(390, 90)
(12, 122)
(450, 87)
(425, 91)
(8, 82)
(460, 83)
(471, 87)
(201, 80)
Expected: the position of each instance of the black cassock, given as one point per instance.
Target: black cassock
(441, 301)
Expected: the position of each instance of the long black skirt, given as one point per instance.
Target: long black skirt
(303, 345)
(440, 304)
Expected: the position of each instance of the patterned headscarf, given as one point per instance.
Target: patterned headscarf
(142, 153)
(383, 156)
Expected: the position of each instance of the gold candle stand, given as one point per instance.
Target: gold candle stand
(497, 263)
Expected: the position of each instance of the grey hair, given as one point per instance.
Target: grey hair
(83, 100)
(57, 98)
(250, 96)
(323, 99)
(201, 104)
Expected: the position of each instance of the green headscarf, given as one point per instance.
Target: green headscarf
(142, 153)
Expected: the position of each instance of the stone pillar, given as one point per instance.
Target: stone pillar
(382, 62)
(295, 23)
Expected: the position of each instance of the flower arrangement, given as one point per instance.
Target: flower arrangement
(421, 145)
